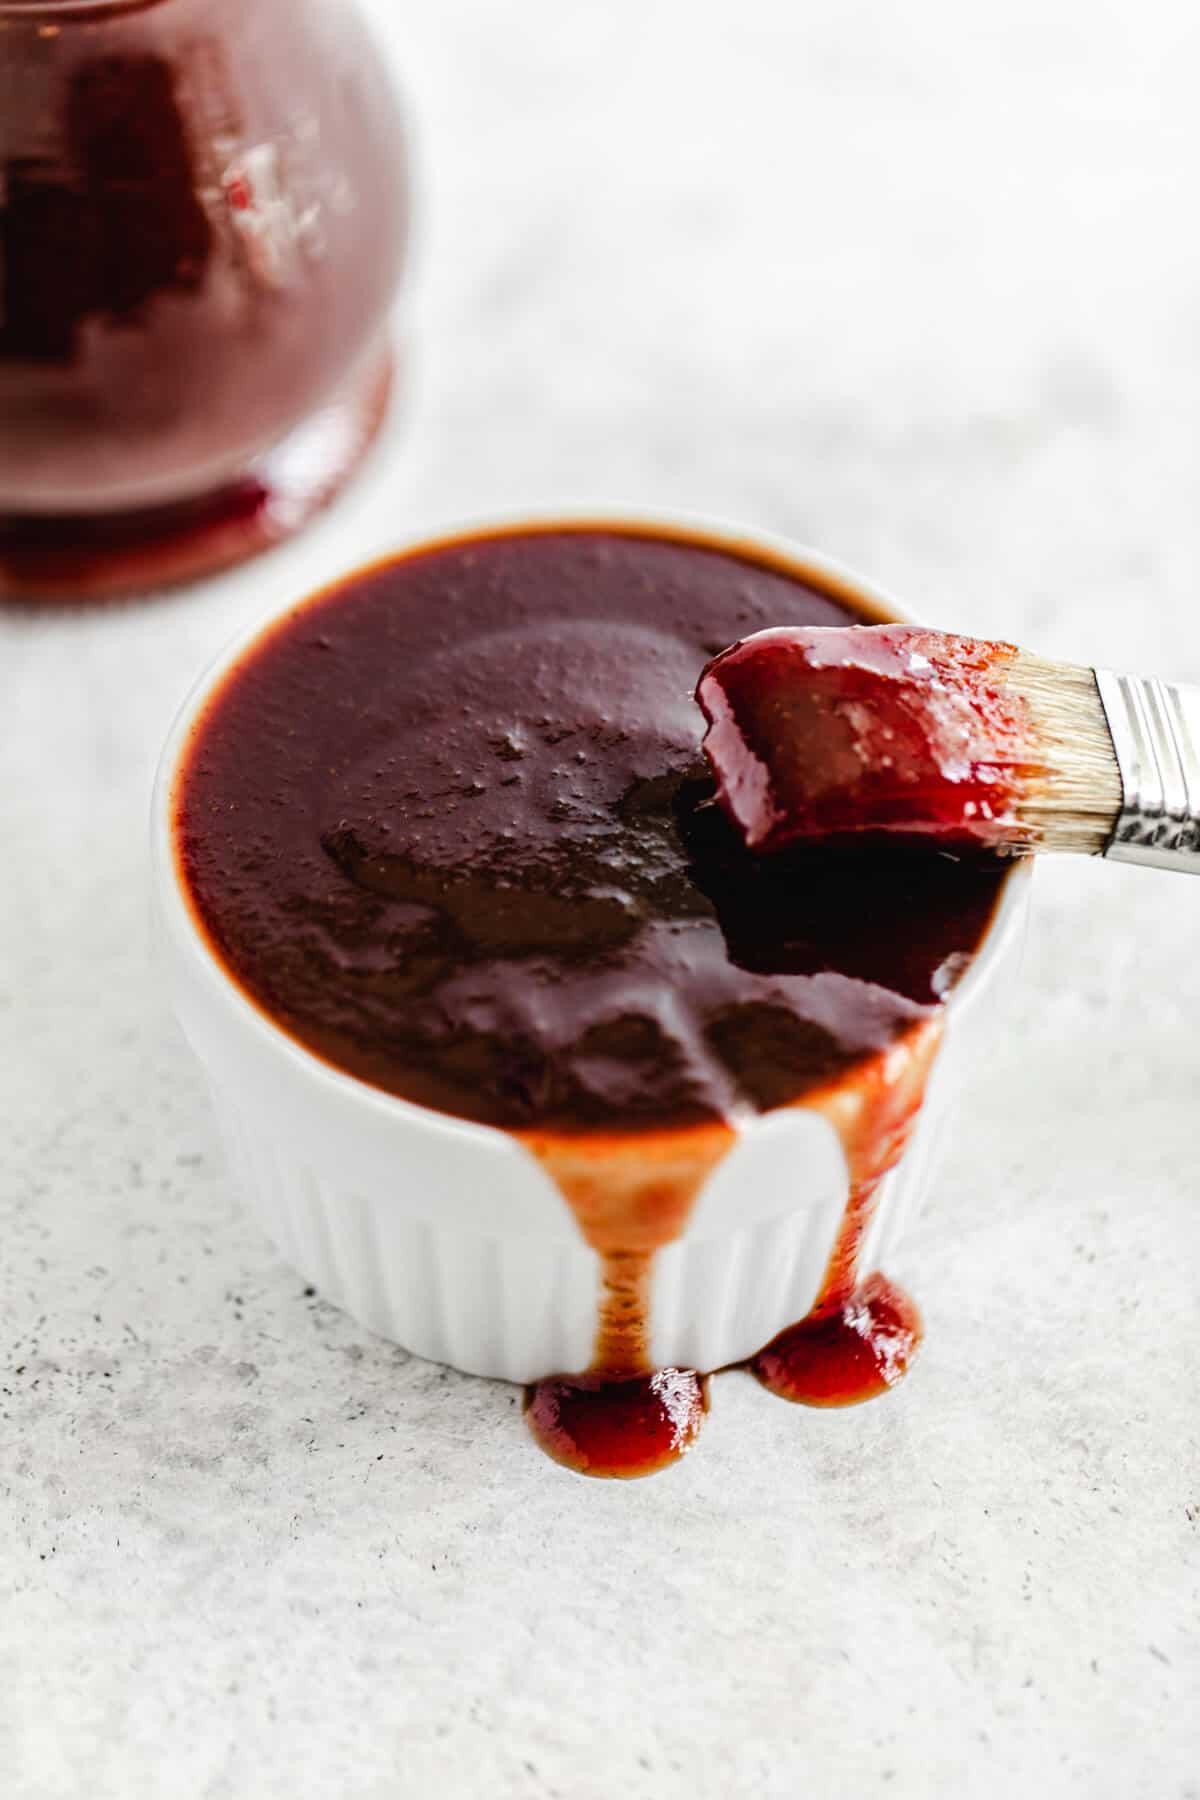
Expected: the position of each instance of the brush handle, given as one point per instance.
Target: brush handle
(1155, 729)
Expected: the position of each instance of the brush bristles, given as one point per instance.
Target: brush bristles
(1074, 790)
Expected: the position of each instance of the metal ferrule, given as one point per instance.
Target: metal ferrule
(1155, 732)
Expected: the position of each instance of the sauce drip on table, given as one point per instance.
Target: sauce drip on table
(620, 1426)
(892, 730)
(449, 826)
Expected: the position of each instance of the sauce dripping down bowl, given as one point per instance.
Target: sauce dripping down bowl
(625, 1252)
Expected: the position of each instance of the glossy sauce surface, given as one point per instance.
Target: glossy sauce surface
(824, 736)
(450, 826)
(618, 1426)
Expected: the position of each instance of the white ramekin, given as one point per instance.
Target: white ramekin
(449, 1236)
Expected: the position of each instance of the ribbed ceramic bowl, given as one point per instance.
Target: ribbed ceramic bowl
(449, 1236)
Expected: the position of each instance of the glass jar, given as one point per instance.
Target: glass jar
(203, 214)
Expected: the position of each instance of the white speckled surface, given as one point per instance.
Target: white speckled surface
(920, 286)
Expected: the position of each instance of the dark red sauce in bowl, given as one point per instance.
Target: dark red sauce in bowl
(449, 826)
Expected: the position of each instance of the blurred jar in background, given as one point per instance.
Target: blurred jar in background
(203, 213)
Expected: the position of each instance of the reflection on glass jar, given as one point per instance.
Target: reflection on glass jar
(203, 212)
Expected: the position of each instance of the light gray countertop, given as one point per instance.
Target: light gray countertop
(919, 285)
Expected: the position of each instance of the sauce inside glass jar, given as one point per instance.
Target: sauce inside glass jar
(202, 224)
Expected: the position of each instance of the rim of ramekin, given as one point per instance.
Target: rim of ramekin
(178, 912)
